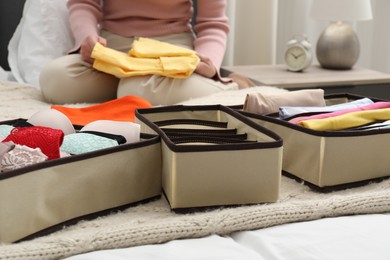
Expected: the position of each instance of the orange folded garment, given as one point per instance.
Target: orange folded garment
(120, 109)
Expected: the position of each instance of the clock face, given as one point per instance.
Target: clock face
(295, 58)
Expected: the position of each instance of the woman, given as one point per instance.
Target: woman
(115, 24)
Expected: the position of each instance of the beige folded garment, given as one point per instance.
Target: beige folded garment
(265, 103)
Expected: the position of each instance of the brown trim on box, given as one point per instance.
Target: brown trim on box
(148, 139)
(12, 121)
(278, 142)
(340, 133)
(236, 137)
(191, 122)
(338, 187)
(208, 139)
(199, 209)
(90, 216)
(350, 96)
(210, 132)
(119, 138)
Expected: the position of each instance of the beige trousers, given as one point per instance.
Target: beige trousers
(69, 79)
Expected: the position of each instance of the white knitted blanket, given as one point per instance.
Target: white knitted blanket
(154, 222)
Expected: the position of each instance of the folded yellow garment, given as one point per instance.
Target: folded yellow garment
(349, 120)
(122, 65)
(149, 48)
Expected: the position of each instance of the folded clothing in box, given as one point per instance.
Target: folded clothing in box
(213, 156)
(43, 197)
(330, 159)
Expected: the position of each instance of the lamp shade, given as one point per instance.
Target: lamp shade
(341, 10)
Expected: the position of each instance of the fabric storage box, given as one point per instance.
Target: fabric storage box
(213, 156)
(330, 160)
(38, 199)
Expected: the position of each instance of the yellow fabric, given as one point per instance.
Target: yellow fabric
(345, 121)
(149, 48)
(160, 58)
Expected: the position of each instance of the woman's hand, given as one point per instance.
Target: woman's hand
(205, 67)
(87, 46)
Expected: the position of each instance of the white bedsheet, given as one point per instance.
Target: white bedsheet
(350, 237)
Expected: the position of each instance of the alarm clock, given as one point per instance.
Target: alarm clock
(298, 54)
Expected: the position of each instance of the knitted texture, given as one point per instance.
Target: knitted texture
(154, 222)
(47, 139)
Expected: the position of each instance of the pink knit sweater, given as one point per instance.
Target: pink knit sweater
(153, 18)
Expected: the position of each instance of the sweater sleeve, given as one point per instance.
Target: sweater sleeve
(84, 17)
(211, 28)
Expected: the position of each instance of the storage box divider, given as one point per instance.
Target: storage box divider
(330, 160)
(41, 198)
(196, 171)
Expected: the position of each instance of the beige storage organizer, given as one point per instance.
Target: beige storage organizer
(213, 156)
(39, 199)
(330, 160)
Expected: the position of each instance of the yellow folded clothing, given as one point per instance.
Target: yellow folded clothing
(152, 58)
(349, 120)
(149, 48)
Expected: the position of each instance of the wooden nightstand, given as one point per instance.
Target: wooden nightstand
(359, 81)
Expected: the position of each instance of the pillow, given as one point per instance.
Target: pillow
(42, 35)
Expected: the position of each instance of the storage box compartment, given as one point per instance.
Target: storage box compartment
(213, 156)
(41, 198)
(330, 160)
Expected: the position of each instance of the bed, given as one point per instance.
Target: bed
(302, 224)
